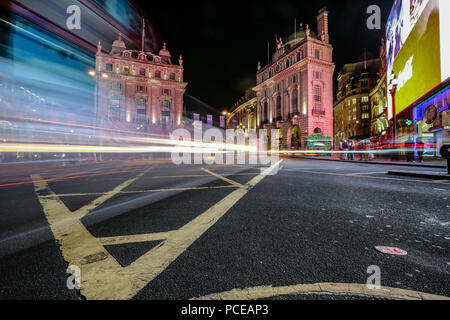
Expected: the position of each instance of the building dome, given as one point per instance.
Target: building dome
(164, 52)
(301, 34)
(118, 46)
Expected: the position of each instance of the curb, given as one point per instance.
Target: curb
(372, 162)
(420, 175)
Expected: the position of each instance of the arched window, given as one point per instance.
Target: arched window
(166, 112)
(317, 131)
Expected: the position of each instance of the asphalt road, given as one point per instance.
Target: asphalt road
(153, 230)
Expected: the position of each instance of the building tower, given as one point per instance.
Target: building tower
(322, 25)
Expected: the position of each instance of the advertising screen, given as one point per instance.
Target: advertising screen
(414, 50)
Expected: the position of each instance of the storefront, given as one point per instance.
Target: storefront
(432, 119)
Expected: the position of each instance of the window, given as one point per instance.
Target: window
(109, 67)
(365, 116)
(317, 54)
(158, 74)
(318, 94)
(348, 103)
(115, 100)
(142, 72)
(142, 102)
(279, 108)
(172, 76)
(141, 89)
(354, 109)
(354, 101)
(114, 86)
(317, 109)
(295, 101)
(165, 112)
(166, 92)
(299, 57)
(365, 107)
(294, 79)
(288, 63)
(354, 117)
(365, 99)
(126, 70)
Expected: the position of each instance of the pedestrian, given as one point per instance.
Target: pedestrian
(409, 146)
(345, 148)
(420, 148)
(361, 148)
(351, 149)
(341, 149)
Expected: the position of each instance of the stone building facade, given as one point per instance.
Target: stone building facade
(294, 92)
(352, 109)
(138, 90)
(244, 111)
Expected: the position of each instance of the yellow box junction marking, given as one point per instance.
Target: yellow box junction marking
(347, 289)
(102, 277)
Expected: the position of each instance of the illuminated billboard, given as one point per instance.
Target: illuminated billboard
(416, 45)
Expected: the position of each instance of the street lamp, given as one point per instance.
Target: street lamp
(393, 84)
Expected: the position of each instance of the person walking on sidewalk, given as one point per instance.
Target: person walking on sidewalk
(341, 149)
(351, 149)
(409, 146)
(420, 149)
(361, 148)
(345, 148)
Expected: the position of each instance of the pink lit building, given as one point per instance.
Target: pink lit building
(295, 90)
(138, 90)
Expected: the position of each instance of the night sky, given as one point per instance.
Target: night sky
(222, 41)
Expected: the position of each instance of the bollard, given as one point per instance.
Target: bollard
(445, 153)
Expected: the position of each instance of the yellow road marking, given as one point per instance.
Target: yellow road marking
(102, 277)
(140, 191)
(352, 289)
(99, 201)
(237, 184)
(136, 238)
(202, 175)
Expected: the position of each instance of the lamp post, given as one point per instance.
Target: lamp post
(393, 84)
(95, 75)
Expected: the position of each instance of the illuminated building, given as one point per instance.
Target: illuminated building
(352, 110)
(378, 101)
(139, 89)
(244, 112)
(418, 71)
(295, 90)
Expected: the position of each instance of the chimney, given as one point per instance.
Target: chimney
(322, 25)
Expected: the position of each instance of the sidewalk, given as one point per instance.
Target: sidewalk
(422, 174)
(336, 157)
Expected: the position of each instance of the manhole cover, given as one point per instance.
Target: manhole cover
(392, 250)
